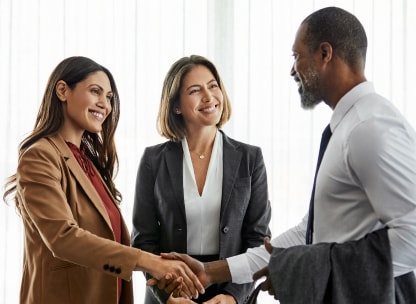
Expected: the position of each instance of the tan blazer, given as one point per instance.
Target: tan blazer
(70, 255)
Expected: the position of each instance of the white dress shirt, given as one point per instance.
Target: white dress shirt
(367, 180)
(203, 211)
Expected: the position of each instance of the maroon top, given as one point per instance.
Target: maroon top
(112, 210)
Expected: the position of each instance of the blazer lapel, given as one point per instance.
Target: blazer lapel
(81, 177)
(231, 162)
(174, 163)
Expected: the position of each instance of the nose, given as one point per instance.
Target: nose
(104, 103)
(206, 97)
(292, 70)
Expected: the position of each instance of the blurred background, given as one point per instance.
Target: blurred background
(250, 42)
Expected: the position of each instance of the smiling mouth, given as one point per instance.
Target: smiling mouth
(209, 109)
(97, 114)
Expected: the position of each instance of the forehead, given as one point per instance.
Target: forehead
(299, 43)
(199, 73)
(99, 78)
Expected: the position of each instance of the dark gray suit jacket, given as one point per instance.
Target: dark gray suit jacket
(159, 219)
(352, 272)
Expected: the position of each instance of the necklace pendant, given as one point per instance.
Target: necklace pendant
(201, 156)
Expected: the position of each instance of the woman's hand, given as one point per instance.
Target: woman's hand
(161, 268)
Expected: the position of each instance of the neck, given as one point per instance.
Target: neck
(201, 143)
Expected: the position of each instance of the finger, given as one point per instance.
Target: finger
(192, 281)
(268, 245)
(175, 284)
(151, 282)
(264, 272)
(170, 256)
(161, 284)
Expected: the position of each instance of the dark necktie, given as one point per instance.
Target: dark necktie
(326, 135)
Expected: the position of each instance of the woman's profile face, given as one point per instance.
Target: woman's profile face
(201, 99)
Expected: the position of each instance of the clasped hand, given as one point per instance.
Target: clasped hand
(174, 285)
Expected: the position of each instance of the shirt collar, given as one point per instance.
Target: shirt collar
(348, 100)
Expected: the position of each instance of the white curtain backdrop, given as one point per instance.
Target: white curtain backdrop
(250, 42)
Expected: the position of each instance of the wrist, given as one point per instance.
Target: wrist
(217, 271)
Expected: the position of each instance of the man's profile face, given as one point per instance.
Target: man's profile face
(304, 71)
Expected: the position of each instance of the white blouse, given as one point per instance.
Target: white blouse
(203, 211)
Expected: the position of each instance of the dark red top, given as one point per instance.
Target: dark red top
(112, 210)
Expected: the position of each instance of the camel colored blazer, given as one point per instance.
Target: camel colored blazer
(70, 253)
(159, 219)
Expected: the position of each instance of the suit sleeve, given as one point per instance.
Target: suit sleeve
(146, 233)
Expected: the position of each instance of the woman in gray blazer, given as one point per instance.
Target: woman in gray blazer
(201, 192)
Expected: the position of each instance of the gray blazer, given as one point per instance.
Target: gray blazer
(159, 219)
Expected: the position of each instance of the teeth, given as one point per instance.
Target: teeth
(98, 115)
(210, 109)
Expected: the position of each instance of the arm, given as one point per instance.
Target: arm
(145, 231)
(46, 192)
(386, 169)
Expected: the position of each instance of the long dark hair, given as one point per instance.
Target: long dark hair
(100, 147)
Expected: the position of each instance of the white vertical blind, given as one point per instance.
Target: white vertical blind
(250, 42)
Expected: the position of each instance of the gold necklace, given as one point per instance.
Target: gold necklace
(201, 155)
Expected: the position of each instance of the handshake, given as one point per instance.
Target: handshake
(195, 276)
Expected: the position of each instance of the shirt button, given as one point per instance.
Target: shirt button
(225, 229)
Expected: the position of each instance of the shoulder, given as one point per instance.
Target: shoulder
(162, 148)
(239, 145)
(42, 156)
(43, 146)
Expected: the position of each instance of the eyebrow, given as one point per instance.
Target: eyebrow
(197, 85)
(100, 87)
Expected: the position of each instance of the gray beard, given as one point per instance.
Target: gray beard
(308, 101)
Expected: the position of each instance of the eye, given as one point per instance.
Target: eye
(193, 91)
(214, 85)
(95, 91)
(109, 97)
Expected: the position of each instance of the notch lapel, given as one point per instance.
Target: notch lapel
(231, 163)
(82, 178)
(174, 164)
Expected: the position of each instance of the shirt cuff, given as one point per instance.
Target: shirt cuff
(240, 269)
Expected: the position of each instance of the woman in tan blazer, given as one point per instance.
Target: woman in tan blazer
(76, 246)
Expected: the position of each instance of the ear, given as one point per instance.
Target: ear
(326, 51)
(61, 89)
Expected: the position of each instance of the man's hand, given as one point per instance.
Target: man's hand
(170, 270)
(266, 285)
(268, 245)
(196, 266)
(168, 283)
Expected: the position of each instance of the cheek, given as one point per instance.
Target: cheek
(220, 96)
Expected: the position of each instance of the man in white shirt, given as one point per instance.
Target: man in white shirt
(367, 177)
